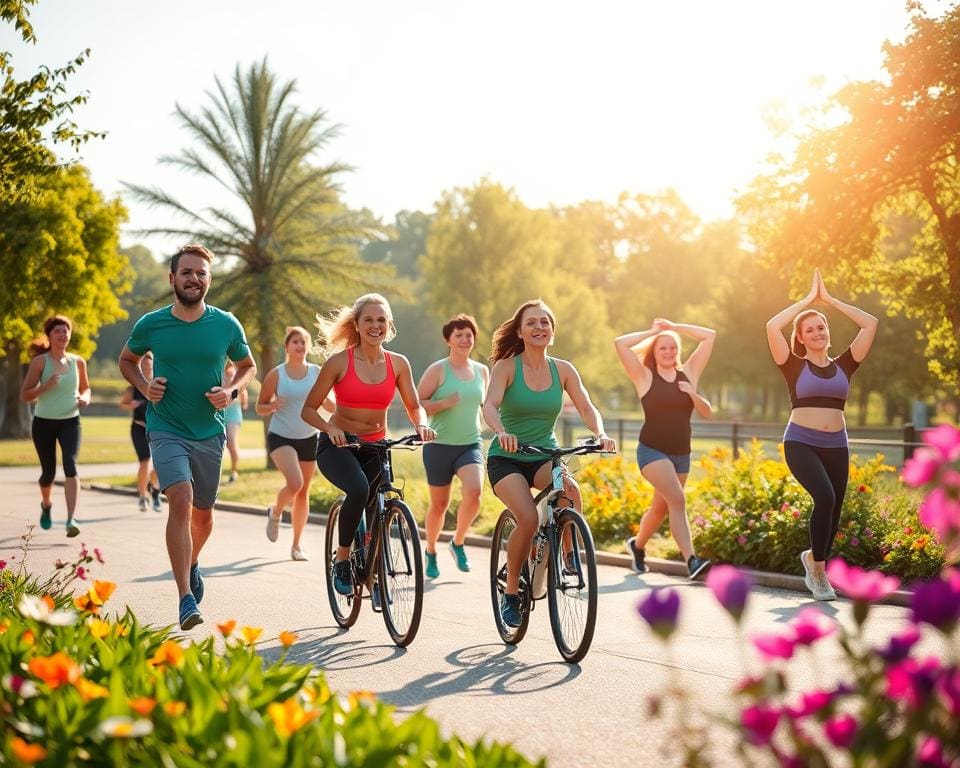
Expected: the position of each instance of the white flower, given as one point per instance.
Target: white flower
(21, 686)
(125, 727)
(43, 609)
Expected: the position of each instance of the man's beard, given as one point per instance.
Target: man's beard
(186, 299)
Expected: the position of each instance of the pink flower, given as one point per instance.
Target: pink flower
(858, 584)
(941, 514)
(98, 554)
(945, 439)
(948, 686)
(60, 564)
(810, 703)
(81, 572)
(3, 564)
(83, 551)
(913, 681)
(810, 625)
(759, 722)
(731, 587)
(741, 539)
(930, 753)
(774, 646)
(841, 730)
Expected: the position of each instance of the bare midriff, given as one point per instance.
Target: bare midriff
(822, 419)
(359, 421)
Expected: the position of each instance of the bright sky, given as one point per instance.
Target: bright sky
(564, 101)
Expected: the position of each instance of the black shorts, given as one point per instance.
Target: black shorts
(442, 462)
(138, 433)
(306, 447)
(498, 467)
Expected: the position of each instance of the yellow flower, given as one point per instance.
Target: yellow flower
(125, 727)
(250, 634)
(98, 627)
(28, 638)
(122, 630)
(143, 705)
(169, 653)
(226, 629)
(25, 752)
(318, 692)
(175, 708)
(289, 716)
(288, 638)
(90, 690)
(358, 697)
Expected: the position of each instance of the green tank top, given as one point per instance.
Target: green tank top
(61, 401)
(460, 424)
(530, 415)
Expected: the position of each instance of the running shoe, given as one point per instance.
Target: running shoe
(298, 554)
(196, 582)
(510, 610)
(460, 555)
(639, 563)
(189, 613)
(822, 588)
(45, 521)
(233, 477)
(142, 504)
(433, 570)
(342, 577)
(157, 507)
(375, 596)
(806, 560)
(698, 566)
(72, 529)
(273, 525)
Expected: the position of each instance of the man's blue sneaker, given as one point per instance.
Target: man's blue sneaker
(432, 569)
(196, 582)
(460, 555)
(45, 516)
(342, 577)
(510, 610)
(189, 613)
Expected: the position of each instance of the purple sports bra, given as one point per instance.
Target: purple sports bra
(814, 387)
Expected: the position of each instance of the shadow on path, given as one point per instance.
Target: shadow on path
(333, 651)
(236, 568)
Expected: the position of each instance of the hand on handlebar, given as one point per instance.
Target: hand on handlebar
(508, 442)
(426, 433)
(337, 436)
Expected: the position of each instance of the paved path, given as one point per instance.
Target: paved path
(592, 714)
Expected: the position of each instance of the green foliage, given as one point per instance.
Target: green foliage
(615, 495)
(95, 690)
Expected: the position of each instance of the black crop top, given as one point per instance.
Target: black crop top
(814, 387)
(666, 416)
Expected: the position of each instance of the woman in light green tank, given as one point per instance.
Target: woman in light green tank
(522, 404)
(451, 391)
(57, 382)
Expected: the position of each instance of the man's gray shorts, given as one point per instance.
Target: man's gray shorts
(178, 460)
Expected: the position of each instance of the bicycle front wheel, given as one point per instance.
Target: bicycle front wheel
(572, 594)
(401, 573)
(345, 608)
(506, 525)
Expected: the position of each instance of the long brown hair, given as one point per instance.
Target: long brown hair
(338, 330)
(506, 340)
(798, 347)
(39, 346)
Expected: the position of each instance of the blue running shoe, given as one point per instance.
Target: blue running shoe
(342, 577)
(433, 570)
(189, 613)
(510, 610)
(460, 555)
(196, 582)
(45, 516)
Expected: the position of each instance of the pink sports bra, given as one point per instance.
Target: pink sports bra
(354, 393)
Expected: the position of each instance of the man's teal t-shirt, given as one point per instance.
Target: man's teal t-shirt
(191, 357)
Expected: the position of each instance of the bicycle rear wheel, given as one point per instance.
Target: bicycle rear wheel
(572, 593)
(345, 608)
(401, 573)
(505, 526)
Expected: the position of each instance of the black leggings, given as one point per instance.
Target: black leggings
(353, 471)
(823, 473)
(46, 433)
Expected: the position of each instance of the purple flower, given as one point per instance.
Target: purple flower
(731, 587)
(841, 730)
(899, 645)
(660, 609)
(913, 681)
(810, 625)
(759, 721)
(922, 467)
(858, 584)
(937, 603)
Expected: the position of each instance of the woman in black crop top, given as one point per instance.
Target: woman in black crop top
(668, 392)
(815, 442)
(133, 400)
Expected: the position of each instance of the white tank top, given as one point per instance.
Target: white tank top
(287, 422)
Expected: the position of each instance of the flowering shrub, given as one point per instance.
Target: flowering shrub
(79, 686)
(615, 495)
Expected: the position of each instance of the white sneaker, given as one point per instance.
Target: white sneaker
(807, 563)
(823, 590)
(298, 554)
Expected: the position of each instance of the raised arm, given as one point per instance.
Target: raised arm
(573, 386)
(697, 361)
(866, 322)
(639, 374)
(408, 394)
(779, 347)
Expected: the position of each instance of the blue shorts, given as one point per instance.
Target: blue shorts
(443, 461)
(646, 454)
(178, 460)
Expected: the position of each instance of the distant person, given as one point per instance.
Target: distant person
(291, 442)
(233, 420)
(135, 401)
(815, 441)
(452, 391)
(364, 377)
(669, 396)
(191, 342)
(57, 382)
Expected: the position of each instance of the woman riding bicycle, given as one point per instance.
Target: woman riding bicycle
(522, 405)
(364, 376)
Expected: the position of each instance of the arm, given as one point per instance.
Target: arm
(31, 388)
(700, 404)
(499, 381)
(332, 370)
(83, 383)
(429, 383)
(129, 364)
(775, 338)
(867, 323)
(126, 400)
(408, 394)
(697, 361)
(639, 374)
(266, 402)
(573, 386)
(219, 397)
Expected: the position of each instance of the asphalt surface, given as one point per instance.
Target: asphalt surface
(594, 713)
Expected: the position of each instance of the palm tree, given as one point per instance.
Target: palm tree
(293, 248)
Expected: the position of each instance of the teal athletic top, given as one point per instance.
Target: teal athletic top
(529, 415)
(61, 401)
(191, 357)
(460, 424)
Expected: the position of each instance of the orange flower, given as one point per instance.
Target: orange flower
(318, 692)
(101, 590)
(289, 716)
(28, 638)
(169, 653)
(226, 629)
(25, 752)
(143, 705)
(98, 627)
(250, 634)
(122, 630)
(55, 670)
(84, 603)
(175, 708)
(90, 690)
(288, 639)
(4, 626)
(358, 697)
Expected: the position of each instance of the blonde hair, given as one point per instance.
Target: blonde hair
(797, 346)
(645, 348)
(297, 330)
(338, 330)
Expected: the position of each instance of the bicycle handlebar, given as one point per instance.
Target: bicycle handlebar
(593, 446)
(411, 441)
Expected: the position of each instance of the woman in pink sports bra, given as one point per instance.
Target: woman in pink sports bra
(364, 376)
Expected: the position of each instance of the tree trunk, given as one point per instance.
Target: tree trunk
(266, 364)
(16, 415)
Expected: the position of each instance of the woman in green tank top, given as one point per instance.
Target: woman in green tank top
(451, 391)
(522, 404)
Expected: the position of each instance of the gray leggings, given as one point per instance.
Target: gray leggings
(46, 434)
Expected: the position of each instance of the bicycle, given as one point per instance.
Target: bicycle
(563, 566)
(387, 559)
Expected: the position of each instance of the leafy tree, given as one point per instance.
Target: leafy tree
(58, 254)
(894, 155)
(32, 109)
